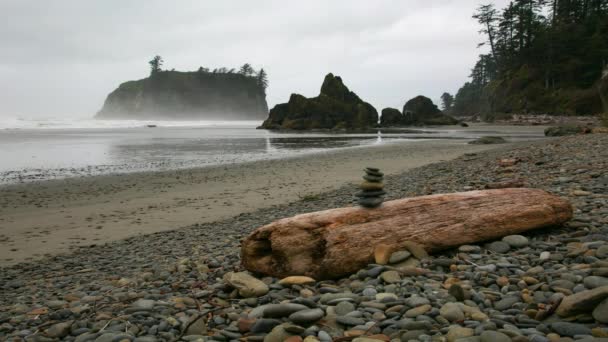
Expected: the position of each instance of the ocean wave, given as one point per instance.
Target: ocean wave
(79, 123)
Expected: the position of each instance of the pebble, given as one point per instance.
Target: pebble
(499, 247)
(516, 241)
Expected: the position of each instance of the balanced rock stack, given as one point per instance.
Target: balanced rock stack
(372, 187)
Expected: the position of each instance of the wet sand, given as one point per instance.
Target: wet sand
(55, 216)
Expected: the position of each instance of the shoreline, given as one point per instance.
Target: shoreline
(133, 287)
(51, 217)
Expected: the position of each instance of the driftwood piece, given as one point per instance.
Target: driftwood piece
(332, 243)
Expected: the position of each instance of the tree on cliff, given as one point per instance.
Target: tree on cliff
(447, 100)
(262, 79)
(155, 64)
(246, 70)
(545, 56)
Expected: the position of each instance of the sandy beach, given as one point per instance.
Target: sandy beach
(54, 216)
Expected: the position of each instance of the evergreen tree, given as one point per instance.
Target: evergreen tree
(246, 70)
(262, 79)
(155, 64)
(545, 56)
(447, 100)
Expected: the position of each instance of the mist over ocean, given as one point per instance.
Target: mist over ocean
(41, 149)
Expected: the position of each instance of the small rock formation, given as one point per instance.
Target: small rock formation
(372, 188)
(391, 117)
(488, 140)
(336, 107)
(247, 285)
(560, 131)
(422, 111)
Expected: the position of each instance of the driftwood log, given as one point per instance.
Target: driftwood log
(332, 243)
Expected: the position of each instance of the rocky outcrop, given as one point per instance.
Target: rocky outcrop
(336, 107)
(391, 117)
(200, 95)
(422, 111)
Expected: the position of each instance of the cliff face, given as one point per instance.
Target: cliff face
(336, 107)
(174, 95)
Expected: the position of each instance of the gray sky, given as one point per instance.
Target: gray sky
(62, 57)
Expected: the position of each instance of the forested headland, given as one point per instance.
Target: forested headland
(544, 57)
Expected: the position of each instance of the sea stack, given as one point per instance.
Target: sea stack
(372, 188)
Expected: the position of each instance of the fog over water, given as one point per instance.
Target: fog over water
(61, 58)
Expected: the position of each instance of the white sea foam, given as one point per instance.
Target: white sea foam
(88, 123)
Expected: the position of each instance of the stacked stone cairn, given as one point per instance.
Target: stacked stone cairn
(371, 194)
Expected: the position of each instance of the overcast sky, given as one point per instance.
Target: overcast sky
(62, 57)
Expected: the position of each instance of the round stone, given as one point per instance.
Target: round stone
(499, 247)
(371, 185)
(370, 178)
(516, 241)
(451, 312)
(494, 336)
(399, 256)
(370, 202)
(375, 193)
(306, 316)
(344, 308)
(391, 277)
(602, 252)
(600, 313)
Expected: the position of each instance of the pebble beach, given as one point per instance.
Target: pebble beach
(545, 285)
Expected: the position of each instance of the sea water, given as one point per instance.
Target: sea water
(42, 149)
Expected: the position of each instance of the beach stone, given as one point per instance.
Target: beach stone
(506, 303)
(582, 302)
(59, 330)
(499, 247)
(371, 186)
(283, 310)
(376, 193)
(344, 308)
(247, 285)
(457, 292)
(417, 311)
(416, 249)
(544, 255)
(516, 241)
(296, 280)
(143, 304)
(399, 256)
(602, 252)
(349, 320)
(264, 325)
(382, 254)
(198, 327)
(371, 178)
(600, 313)
(570, 329)
(306, 316)
(592, 282)
(370, 202)
(412, 335)
(451, 312)
(391, 277)
(494, 336)
(455, 332)
(278, 334)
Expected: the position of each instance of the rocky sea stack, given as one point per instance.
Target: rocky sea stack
(197, 95)
(372, 188)
(418, 111)
(336, 107)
